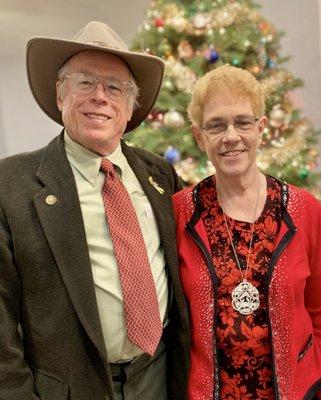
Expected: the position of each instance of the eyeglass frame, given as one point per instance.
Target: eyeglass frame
(227, 124)
(128, 85)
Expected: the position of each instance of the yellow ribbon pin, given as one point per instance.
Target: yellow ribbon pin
(155, 184)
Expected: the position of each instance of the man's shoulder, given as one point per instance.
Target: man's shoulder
(146, 156)
(12, 164)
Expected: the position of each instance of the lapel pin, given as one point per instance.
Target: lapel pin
(155, 184)
(51, 200)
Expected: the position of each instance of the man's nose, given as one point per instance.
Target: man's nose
(99, 93)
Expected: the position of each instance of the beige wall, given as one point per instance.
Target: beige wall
(300, 20)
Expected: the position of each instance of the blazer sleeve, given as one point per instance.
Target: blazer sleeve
(16, 379)
(178, 182)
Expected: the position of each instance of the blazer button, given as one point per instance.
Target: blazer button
(51, 200)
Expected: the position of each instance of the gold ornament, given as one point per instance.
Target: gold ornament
(200, 21)
(185, 50)
(254, 69)
(174, 16)
(183, 77)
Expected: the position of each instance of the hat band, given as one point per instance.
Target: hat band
(103, 44)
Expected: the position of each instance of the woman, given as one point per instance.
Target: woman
(250, 257)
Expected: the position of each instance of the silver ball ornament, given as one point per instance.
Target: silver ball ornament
(173, 119)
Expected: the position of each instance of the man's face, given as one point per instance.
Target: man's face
(232, 153)
(94, 120)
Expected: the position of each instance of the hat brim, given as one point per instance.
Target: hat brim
(45, 56)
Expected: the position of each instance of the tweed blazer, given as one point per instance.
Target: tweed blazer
(51, 342)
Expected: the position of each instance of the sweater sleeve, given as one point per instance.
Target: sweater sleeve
(312, 293)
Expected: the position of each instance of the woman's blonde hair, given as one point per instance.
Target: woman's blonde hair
(235, 80)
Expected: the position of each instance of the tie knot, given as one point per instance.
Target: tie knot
(107, 166)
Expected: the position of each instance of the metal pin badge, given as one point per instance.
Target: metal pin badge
(51, 200)
(156, 186)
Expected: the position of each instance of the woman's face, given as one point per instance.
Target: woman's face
(232, 153)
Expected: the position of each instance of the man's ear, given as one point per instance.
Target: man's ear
(59, 94)
(199, 137)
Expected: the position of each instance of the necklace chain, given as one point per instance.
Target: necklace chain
(245, 296)
(244, 276)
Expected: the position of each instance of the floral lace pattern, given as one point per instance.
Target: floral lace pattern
(243, 340)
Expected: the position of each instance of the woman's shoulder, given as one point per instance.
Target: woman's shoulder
(294, 195)
(183, 197)
(303, 207)
(301, 195)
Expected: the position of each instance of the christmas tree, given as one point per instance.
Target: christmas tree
(195, 36)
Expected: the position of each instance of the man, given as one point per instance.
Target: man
(86, 230)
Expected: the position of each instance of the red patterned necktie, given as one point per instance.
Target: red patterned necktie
(141, 309)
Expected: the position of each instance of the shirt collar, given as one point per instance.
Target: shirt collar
(87, 163)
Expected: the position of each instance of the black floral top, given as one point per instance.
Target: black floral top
(243, 340)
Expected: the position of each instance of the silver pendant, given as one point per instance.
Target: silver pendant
(245, 298)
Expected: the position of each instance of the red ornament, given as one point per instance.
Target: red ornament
(159, 22)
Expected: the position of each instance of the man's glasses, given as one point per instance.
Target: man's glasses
(115, 89)
(242, 123)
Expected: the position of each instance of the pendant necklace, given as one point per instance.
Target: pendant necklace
(245, 296)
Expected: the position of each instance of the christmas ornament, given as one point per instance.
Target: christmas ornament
(159, 22)
(264, 27)
(173, 119)
(211, 55)
(269, 38)
(185, 50)
(174, 17)
(183, 77)
(303, 173)
(168, 84)
(271, 64)
(235, 61)
(155, 118)
(200, 21)
(172, 155)
(277, 116)
(178, 22)
(224, 17)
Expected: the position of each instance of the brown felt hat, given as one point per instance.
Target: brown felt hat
(45, 56)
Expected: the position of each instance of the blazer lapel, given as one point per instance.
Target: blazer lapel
(62, 223)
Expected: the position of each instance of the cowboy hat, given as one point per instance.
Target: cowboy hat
(45, 56)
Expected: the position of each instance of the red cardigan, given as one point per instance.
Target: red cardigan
(293, 289)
